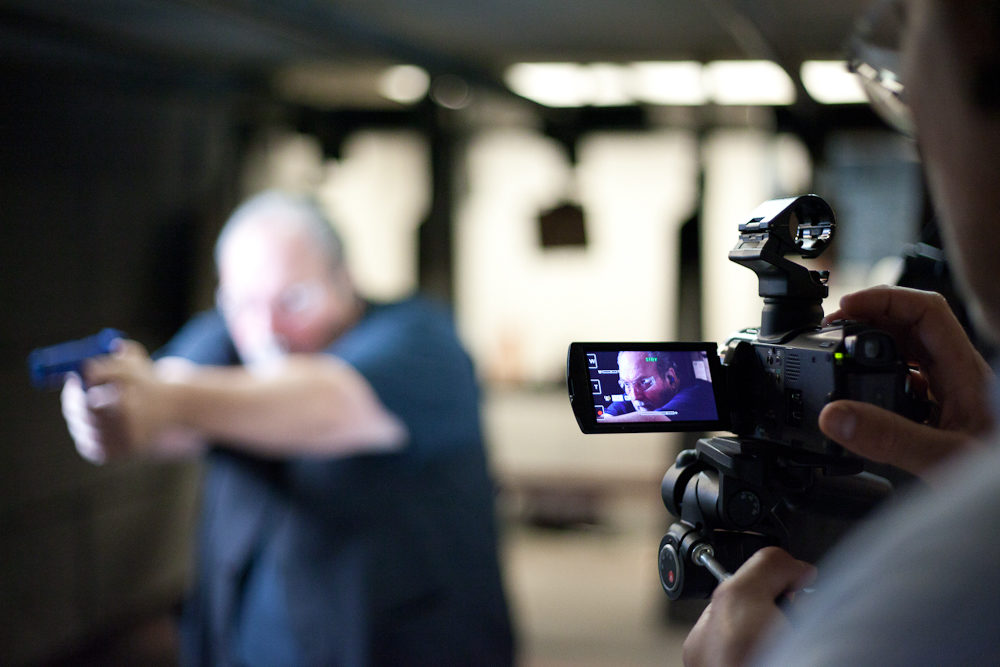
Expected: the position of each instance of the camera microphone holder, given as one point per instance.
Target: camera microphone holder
(793, 295)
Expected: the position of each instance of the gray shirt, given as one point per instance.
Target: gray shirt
(918, 585)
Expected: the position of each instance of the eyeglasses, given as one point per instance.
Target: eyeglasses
(644, 384)
(294, 300)
(873, 54)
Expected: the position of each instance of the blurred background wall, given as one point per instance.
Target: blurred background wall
(128, 131)
(111, 190)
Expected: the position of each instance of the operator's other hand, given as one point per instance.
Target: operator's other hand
(743, 608)
(956, 375)
(119, 412)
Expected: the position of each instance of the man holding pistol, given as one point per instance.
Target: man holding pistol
(347, 512)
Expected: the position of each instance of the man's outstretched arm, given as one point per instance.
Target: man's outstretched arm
(299, 406)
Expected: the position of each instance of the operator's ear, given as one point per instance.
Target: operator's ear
(671, 377)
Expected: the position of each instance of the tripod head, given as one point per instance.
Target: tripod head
(738, 495)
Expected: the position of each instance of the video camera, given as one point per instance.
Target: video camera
(778, 480)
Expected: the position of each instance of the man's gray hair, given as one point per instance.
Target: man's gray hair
(297, 209)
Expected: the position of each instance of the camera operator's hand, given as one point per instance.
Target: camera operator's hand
(956, 375)
(744, 608)
(121, 412)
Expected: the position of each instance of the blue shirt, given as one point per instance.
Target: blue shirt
(357, 560)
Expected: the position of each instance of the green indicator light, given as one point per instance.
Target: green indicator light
(839, 356)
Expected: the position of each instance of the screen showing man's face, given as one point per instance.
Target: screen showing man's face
(646, 386)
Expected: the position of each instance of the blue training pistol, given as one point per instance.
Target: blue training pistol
(49, 366)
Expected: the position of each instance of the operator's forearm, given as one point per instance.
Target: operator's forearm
(306, 404)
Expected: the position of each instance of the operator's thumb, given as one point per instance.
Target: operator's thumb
(886, 437)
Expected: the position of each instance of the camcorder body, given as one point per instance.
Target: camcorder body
(777, 479)
(776, 390)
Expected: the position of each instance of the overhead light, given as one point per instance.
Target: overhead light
(669, 83)
(830, 82)
(744, 82)
(609, 85)
(405, 84)
(551, 84)
(748, 82)
(450, 92)
(330, 85)
(573, 84)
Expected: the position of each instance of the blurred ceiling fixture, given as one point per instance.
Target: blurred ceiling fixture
(830, 82)
(406, 84)
(737, 82)
(551, 84)
(748, 82)
(326, 85)
(668, 83)
(450, 91)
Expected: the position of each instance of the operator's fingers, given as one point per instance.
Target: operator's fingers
(886, 437)
(928, 332)
(922, 322)
(886, 306)
(743, 608)
(768, 574)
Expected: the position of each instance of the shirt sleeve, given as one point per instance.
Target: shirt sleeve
(917, 585)
(695, 403)
(618, 408)
(410, 355)
(203, 340)
(412, 359)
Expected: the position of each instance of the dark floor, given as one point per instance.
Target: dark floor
(148, 642)
(590, 596)
(586, 595)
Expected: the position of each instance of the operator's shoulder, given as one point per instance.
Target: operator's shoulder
(916, 584)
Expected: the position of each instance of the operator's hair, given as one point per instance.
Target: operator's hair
(299, 210)
(984, 75)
